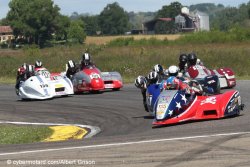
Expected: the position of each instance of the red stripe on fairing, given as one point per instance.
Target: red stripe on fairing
(207, 71)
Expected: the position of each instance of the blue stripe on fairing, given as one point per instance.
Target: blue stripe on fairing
(41, 81)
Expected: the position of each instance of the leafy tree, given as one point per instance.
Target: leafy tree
(231, 17)
(169, 11)
(76, 31)
(113, 20)
(136, 19)
(91, 24)
(62, 24)
(208, 8)
(33, 19)
(74, 16)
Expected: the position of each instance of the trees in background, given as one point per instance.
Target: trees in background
(113, 20)
(91, 24)
(225, 18)
(33, 19)
(40, 20)
(61, 29)
(169, 11)
(75, 31)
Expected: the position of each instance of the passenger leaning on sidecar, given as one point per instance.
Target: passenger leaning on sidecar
(23, 73)
(176, 82)
(142, 83)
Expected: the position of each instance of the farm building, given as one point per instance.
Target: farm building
(6, 34)
(192, 21)
(186, 21)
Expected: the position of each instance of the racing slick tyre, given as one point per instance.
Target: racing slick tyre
(95, 91)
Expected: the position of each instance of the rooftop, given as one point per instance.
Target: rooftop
(5, 29)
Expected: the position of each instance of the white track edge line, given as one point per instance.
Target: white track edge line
(125, 143)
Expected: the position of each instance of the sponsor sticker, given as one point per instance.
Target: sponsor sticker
(59, 85)
(162, 106)
(60, 93)
(94, 76)
(108, 85)
(211, 100)
(44, 85)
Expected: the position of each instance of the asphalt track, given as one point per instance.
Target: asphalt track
(127, 137)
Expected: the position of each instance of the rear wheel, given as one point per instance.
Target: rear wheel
(95, 91)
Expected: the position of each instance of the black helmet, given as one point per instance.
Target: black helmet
(38, 64)
(192, 58)
(158, 68)
(183, 59)
(86, 58)
(71, 64)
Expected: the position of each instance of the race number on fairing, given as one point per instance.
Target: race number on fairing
(94, 76)
(44, 73)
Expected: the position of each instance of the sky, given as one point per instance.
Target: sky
(96, 6)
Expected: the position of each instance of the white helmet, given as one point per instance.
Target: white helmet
(152, 75)
(139, 81)
(173, 70)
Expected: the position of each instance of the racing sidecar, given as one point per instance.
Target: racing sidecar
(91, 79)
(45, 85)
(175, 106)
(220, 78)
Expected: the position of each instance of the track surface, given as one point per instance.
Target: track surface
(121, 117)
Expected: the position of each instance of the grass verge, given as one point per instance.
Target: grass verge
(132, 57)
(7, 80)
(16, 134)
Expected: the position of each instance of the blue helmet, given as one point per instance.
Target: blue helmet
(169, 83)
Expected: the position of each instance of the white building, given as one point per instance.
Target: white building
(192, 21)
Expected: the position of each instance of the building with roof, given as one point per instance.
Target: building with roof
(192, 21)
(186, 22)
(6, 34)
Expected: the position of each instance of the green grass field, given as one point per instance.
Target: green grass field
(130, 61)
(16, 134)
(131, 57)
